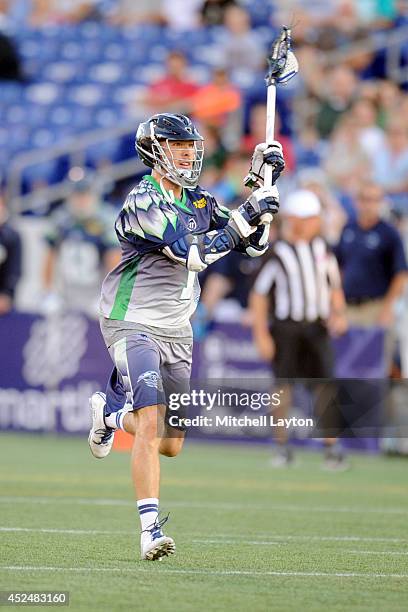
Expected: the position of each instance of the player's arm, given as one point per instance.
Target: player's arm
(255, 242)
(154, 228)
(199, 251)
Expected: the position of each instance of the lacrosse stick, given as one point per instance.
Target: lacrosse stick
(282, 66)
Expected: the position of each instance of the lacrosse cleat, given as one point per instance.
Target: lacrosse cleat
(154, 545)
(100, 437)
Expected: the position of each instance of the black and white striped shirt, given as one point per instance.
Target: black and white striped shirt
(298, 279)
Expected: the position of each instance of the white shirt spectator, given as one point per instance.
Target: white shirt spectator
(181, 14)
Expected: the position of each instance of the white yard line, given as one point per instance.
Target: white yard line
(273, 539)
(222, 539)
(375, 552)
(67, 531)
(260, 574)
(205, 504)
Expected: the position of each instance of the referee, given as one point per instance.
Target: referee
(296, 301)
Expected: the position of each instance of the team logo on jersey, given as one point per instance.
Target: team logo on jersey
(202, 203)
(151, 379)
(192, 224)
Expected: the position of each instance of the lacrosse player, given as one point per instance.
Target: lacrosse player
(169, 229)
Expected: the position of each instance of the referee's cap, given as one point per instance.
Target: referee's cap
(301, 203)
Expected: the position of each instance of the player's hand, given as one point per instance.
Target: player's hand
(262, 201)
(257, 244)
(272, 155)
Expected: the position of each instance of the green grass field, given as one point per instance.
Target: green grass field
(248, 537)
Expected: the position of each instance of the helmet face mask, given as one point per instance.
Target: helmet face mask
(154, 140)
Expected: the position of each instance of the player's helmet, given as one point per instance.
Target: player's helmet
(165, 127)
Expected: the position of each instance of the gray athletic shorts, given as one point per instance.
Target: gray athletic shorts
(147, 371)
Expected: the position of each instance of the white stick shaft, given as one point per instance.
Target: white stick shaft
(270, 128)
(270, 136)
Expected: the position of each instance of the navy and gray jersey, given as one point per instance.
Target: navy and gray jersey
(152, 286)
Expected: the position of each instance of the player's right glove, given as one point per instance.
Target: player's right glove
(264, 154)
(245, 219)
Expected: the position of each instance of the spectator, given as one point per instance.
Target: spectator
(333, 216)
(370, 136)
(257, 125)
(389, 98)
(215, 152)
(346, 161)
(76, 11)
(10, 259)
(213, 11)
(241, 48)
(390, 167)
(175, 90)
(372, 260)
(49, 12)
(218, 104)
(126, 12)
(82, 248)
(309, 150)
(338, 98)
(180, 15)
(10, 63)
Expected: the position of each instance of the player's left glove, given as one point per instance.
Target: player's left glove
(265, 154)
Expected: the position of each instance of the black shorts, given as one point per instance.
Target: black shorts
(303, 350)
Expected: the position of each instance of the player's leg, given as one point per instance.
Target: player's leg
(138, 360)
(170, 443)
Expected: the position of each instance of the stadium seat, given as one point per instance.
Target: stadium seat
(110, 73)
(87, 95)
(104, 152)
(61, 72)
(44, 173)
(42, 93)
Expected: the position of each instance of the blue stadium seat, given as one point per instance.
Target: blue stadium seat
(15, 114)
(111, 73)
(43, 93)
(87, 95)
(47, 173)
(114, 52)
(61, 72)
(104, 152)
(108, 116)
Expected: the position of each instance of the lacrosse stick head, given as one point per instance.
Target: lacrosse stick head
(282, 63)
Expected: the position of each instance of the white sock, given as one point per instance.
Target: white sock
(115, 419)
(148, 511)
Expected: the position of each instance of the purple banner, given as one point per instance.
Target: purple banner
(51, 366)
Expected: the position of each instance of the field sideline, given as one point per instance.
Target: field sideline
(248, 537)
